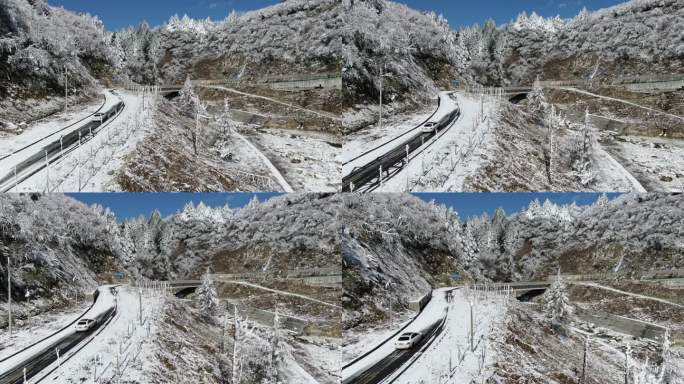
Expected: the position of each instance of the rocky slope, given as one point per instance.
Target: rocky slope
(37, 43)
(58, 248)
(395, 245)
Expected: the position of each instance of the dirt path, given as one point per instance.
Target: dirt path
(619, 101)
(318, 113)
(594, 285)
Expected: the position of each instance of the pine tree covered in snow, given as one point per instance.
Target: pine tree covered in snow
(208, 298)
(536, 103)
(188, 99)
(557, 307)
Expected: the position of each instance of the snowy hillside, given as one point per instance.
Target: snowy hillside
(228, 48)
(398, 240)
(283, 233)
(630, 235)
(639, 37)
(416, 50)
(55, 245)
(37, 43)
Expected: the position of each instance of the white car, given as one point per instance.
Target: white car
(85, 325)
(98, 117)
(407, 340)
(428, 127)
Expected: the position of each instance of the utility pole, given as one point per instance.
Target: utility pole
(388, 287)
(584, 362)
(472, 331)
(9, 294)
(66, 89)
(381, 81)
(47, 173)
(140, 305)
(236, 324)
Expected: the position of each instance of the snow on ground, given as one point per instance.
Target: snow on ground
(595, 285)
(359, 342)
(41, 326)
(306, 159)
(658, 162)
(610, 175)
(46, 127)
(455, 155)
(318, 354)
(620, 101)
(104, 301)
(449, 359)
(120, 349)
(374, 136)
(432, 313)
(270, 99)
(92, 167)
(447, 105)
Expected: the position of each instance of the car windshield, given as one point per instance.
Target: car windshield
(404, 338)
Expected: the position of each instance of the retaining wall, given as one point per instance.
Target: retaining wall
(420, 303)
(623, 325)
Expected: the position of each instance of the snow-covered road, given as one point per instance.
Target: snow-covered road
(445, 356)
(445, 165)
(36, 358)
(91, 167)
(362, 369)
(611, 174)
(353, 158)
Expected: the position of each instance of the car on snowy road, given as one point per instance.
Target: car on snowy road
(428, 127)
(99, 117)
(407, 340)
(85, 325)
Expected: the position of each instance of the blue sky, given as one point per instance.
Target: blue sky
(122, 13)
(117, 14)
(465, 13)
(474, 204)
(131, 205)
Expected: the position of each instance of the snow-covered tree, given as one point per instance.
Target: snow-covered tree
(669, 373)
(557, 307)
(253, 203)
(187, 99)
(536, 101)
(208, 298)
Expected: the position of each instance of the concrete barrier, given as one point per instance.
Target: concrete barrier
(420, 303)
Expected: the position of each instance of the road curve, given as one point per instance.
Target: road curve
(390, 364)
(369, 175)
(54, 150)
(44, 353)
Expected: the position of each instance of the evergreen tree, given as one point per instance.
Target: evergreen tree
(557, 307)
(187, 97)
(208, 298)
(536, 103)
